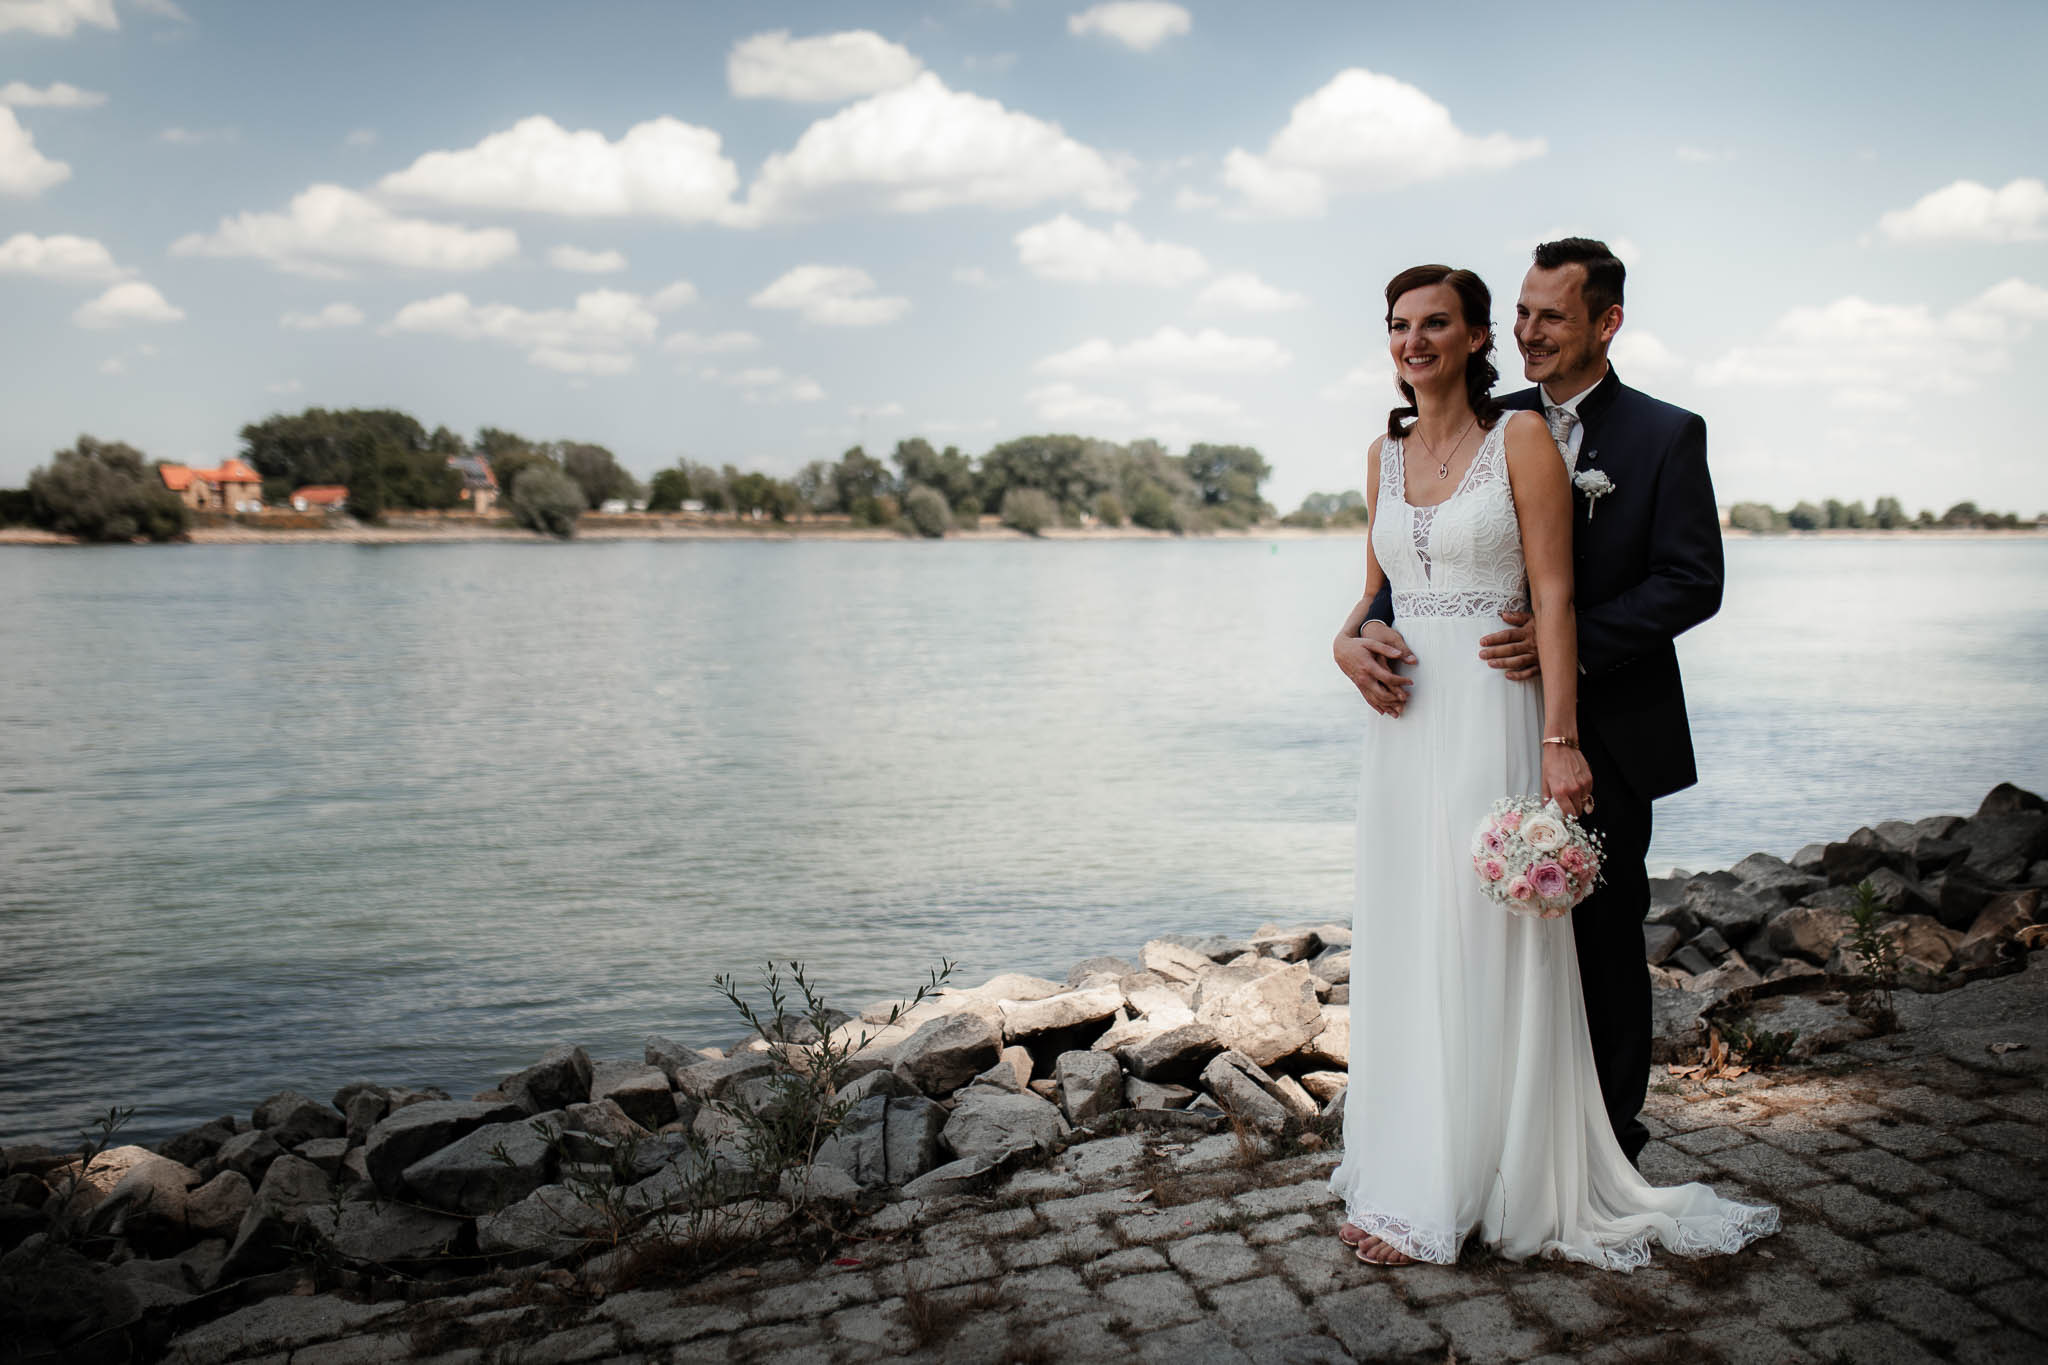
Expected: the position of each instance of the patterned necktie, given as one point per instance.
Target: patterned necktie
(1561, 421)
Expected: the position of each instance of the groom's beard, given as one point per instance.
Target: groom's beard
(1565, 361)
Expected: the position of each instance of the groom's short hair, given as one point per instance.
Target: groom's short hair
(1604, 271)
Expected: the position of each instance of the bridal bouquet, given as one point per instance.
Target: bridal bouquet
(1533, 858)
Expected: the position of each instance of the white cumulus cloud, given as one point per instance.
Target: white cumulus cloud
(713, 343)
(1139, 25)
(1065, 248)
(163, 9)
(1064, 402)
(56, 18)
(327, 228)
(359, 138)
(595, 337)
(56, 95)
(1880, 355)
(584, 262)
(60, 257)
(1363, 131)
(830, 68)
(663, 168)
(922, 147)
(24, 170)
(832, 296)
(1643, 353)
(1363, 378)
(767, 384)
(1969, 212)
(133, 301)
(332, 316)
(1168, 400)
(1171, 351)
(1244, 292)
(670, 297)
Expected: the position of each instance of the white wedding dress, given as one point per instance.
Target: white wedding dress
(1473, 1101)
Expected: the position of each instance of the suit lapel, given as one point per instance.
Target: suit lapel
(1593, 410)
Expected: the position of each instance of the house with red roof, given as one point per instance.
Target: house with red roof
(233, 487)
(319, 497)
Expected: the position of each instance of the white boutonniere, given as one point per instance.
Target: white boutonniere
(1595, 484)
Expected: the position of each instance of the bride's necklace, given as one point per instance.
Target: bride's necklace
(1443, 467)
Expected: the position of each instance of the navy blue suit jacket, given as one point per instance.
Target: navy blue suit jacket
(1647, 568)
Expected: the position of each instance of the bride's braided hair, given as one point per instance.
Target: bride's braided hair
(1475, 300)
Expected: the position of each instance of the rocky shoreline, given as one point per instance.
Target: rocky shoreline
(591, 1170)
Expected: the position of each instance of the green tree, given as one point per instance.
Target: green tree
(105, 491)
(1029, 510)
(950, 472)
(1834, 514)
(668, 490)
(1155, 509)
(365, 476)
(1963, 514)
(315, 447)
(1806, 517)
(754, 492)
(1109, 508)
(597, 472)
(547, 500)
(1888, 514)
(1855, 517)
(926, 507)
(1068, 469)
(17, 508)
(1227, 479)
(859, 477)
(817, 487)
(1753, 516)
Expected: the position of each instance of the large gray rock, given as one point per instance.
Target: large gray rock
(1091, 1084)
(1175, 1055)
(552, 1221)
(1288, 945)
(1961, 893)
(1152, 1095)
(883, 1083)
(1850, 861)
(2006, 799)
(1333, 965)
(291, 1186)
(1215, 947)
(249, 1153)
(1173, 961)
(326, 1153)
(292, 1118)
(1230, 1080)
(407, 1135)
(639, 1089)
(885, 1141)
(2006, 916)
(487, 1168)
(376, 1232)
(559, 1079)
(815, 1183)
(1331, 1045)
(1099, 966)
(1820, 1022)
(948, 1052)
(1764, 875)
(1011, 1072)
(671, 1056)
(147, 1206)
(365, 1110)
(195, 1145)
(1927, 949)
(1899, 895)
(1147, 992)
(2004, 844)
(1660, 941)
(990, 1123)
(1717, 900)
(216, 1209)
(968, 1175)
(1264, 1019)
(1052, 1013)
(709, 1079)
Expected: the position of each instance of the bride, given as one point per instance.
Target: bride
(1473, 1099)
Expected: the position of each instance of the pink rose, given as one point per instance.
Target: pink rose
(1572, 858)
(1519, 889)
(1511, 821)
(1493, 842)
(1494, 870)
(1549, 880)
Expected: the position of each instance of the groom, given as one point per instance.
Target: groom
(1647, 568)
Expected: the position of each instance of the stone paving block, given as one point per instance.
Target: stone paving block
(1788, 1299)
(1729, 1110)
(1701, 1141)
(1373, 1324)
(1977, 1218)
(1255, 1310)
(1093, 1160)
(1188, 1344)
(1803, 1135)
(1990, 1173)
(2029, 1105)
(878, 1324)
(1926, 1310)
(1933, 1106)
(1868, 1341)
(1215, 1258)
(1746, 1343)
(591, 1341)
(1075, 1246)
(1944, 1258)
(1913, 1141)
(938, 1272)
(1287, 1198)
(786, 1339)
(1566, 1304)
(1299, 1350)
(1881, 1172)
(656, 1318)
(1833, 1258)
(1766, 1168)
(2004, 1135)
(1151, 1301)
(1129, 1261)
(1663, 1164)
(1282, 1229)
(377, 1350)
(2022, 1302)
(1211, 1153)
(1082, 1208)
(1320, 1265)
(1483, 1331)
(1049, 1291)
(1852, 1211)
(2007, 1346)
(808, 1298)
(1183, 1220)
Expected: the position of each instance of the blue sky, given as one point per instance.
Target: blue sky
(759, 233)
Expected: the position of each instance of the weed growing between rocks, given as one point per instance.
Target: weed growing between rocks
(1760, 1049)
(1877, 962)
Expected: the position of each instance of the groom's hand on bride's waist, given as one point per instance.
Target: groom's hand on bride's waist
(1368, 659)
(1512, 650)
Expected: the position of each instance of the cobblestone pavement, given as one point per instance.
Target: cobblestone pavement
(1909, 1169)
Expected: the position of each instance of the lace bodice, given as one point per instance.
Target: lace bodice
(1459, 557)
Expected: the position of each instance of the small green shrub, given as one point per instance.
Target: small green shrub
(1029, 510)
(1154, 509)
(927, 510)
(546, 500)
(1109, 510)
(1877, 962)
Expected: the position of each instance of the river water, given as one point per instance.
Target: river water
(282, 816)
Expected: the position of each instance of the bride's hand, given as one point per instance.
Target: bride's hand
(1567, 780)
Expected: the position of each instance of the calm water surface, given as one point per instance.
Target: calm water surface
(286, 815)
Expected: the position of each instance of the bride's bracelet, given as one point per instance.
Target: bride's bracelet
(1566, 740)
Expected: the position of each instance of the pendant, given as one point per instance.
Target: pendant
(1443, 471)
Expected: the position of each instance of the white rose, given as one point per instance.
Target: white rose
(1543, 832)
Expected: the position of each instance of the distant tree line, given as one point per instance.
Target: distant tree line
(1886, 514)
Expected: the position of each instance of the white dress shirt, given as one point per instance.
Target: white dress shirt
(1577, 440)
